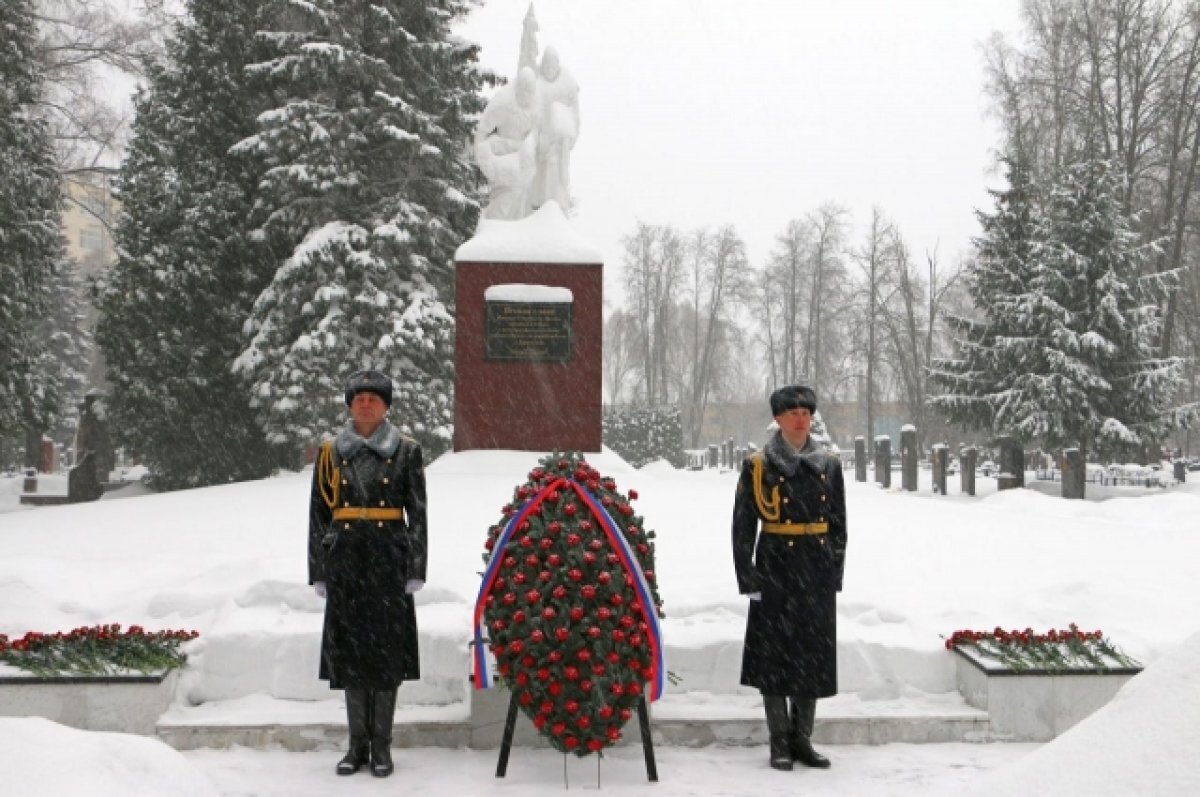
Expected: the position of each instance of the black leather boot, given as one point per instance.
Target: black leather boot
(802, 719)
(358, 717)
(383, 711)
(777, 727)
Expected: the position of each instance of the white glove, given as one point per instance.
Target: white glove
(754, 596)
(413, 585)
(319, 588)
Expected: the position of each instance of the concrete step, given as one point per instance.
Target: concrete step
(43, 499)
(675, 720)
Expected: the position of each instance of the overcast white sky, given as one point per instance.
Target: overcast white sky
(705, 112)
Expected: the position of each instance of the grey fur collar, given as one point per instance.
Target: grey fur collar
(384, 441)
(787, 460)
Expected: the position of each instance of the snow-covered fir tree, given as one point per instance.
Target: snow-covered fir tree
(1002, 339)
(31, 246)
(1101, 383)
(1064, 351)
(187, 275)
(368, 192)
(66, 355)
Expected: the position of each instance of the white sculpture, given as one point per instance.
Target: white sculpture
(524, 139)
(558, 128)
(506, 147)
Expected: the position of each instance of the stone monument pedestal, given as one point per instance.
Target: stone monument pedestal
(530, 330)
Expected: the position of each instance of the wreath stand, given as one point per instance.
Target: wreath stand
(510, 726)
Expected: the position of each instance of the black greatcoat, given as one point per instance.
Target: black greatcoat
(791, 633)
(370, 634)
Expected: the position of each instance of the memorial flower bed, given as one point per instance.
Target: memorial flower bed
(96, 650)
(1054, 650)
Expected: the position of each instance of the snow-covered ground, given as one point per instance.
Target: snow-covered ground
(230, 562)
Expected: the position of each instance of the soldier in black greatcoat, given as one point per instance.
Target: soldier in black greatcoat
(366, 557)
(789, 551)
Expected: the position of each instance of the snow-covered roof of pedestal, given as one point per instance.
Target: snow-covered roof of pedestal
(520, 292)
(543, 237)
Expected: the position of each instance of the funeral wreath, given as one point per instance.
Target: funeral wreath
(569, 605)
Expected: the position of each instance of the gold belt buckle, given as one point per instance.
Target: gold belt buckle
(362, 513)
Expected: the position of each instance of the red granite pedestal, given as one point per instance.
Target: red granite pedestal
(528, 405)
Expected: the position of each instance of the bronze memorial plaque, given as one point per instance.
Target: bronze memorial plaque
(528, 331)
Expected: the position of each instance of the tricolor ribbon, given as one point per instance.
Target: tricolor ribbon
(624, 552)
(645, 597)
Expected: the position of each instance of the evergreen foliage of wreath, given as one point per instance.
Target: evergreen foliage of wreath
(563, 617)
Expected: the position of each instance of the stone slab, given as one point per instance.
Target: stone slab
(105, 703)
(1035, 706)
